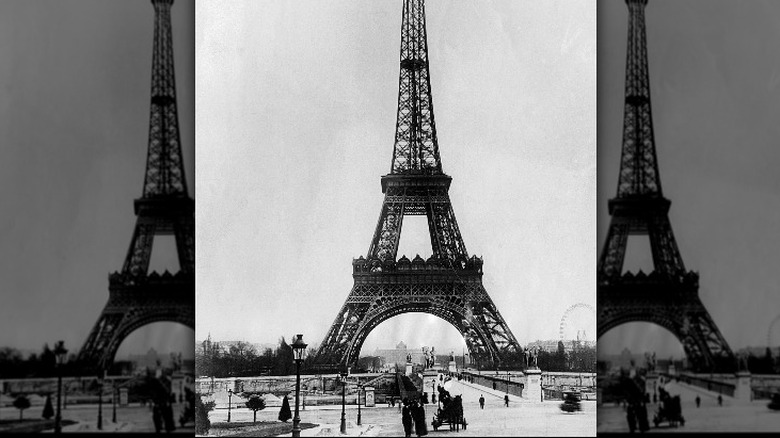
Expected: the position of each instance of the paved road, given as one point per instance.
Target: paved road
(733, 416)
(129, 419)
(519, 419)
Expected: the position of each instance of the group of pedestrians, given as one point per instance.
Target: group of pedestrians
(413, 416)
(482, 401)
(636, 414)
(720, 400)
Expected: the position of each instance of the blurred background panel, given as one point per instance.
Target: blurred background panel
(713, 81)
(75, 94)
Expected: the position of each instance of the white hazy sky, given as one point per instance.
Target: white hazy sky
(75, 86)
(295, 125)
(715, 85)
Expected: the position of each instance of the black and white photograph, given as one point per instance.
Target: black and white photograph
(689, 213)
(370, 263)
(97, 155)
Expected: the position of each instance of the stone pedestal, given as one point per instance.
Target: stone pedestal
(452, 366)
(743, 392)
(533, 385)
(408, 369)
(651, 383)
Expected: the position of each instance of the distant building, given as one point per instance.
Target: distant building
(551, 345)
(398, 355)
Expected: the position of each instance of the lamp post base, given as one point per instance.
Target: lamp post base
(296, 430)
(343, 425)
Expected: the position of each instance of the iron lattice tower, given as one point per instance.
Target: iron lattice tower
(449, 283)
(669, 295)
(137, 297)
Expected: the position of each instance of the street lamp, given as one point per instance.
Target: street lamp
(299, 350)
(100, 378)
(113, 400)
(360, 387)
(230, 395)
(60, 353)
(343, 402)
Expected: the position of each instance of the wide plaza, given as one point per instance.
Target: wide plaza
(132, 418)
(732, 416)
(521, 418)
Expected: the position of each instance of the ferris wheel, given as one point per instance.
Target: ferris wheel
(579, 318)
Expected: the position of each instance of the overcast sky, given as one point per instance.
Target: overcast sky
(75, 82)
(295, 124)
(715, 86)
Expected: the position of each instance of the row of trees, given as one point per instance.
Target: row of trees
(580, 359)
(243, 360)
(766, 364)
(13, 364)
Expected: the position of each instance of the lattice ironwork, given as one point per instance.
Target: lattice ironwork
(668, 296)
(164, 167)
(137, 297)
(449, 283)
(416, 147)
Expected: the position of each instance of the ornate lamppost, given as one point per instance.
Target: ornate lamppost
(343, 402)
(299, 349)
(60, 353)
(100, 377)
(230, 395)
(360, 387)
(113, 400)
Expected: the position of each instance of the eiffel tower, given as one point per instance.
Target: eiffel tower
(137, 297)
(669, 295)
(449, 283)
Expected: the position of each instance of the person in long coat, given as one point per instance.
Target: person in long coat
(418, 414)
(641, 417)
(631, 417)
(406, 418)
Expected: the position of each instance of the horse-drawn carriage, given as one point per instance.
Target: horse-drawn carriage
(450, 413)
(571, 401)
(669, 410)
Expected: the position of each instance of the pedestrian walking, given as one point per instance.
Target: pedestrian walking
(167, 416)
(631, 417)
(720, 400)
(156, 418)
(506, 400)
(482, 402)
(698, 401)
(406, 418)
(418, 415)
(641, 417)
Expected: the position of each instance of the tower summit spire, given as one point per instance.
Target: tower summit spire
(164, 166)
(639, 207)
(638, 165)
(416, 148)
